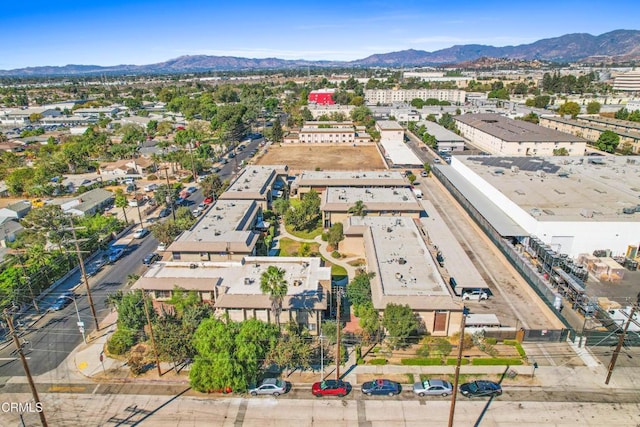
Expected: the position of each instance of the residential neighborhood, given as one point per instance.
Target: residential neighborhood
(373, 236)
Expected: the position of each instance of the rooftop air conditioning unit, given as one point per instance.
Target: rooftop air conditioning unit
(515, 169)
(587, 213)
(540, 173)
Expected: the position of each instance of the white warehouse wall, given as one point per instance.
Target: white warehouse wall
(570, 237)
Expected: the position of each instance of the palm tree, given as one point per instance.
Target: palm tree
(359, 209)
(121, 202)
(273, 283)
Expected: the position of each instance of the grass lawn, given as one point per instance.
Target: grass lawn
(304, 234)
(290, 247)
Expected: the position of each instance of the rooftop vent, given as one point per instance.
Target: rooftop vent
(563, 174)
(540, 173)
(402, 261)
(515, 169)
(498, 172)
(248, 280)
(587, 213)
(629, 211)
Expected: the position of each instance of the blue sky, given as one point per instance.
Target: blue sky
(114, 32)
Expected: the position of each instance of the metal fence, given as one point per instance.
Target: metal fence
(519, 262)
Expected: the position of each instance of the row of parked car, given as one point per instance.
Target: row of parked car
(383, 387)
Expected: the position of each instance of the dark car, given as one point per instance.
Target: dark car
(115, 255)
(151, 258)
(164, 212)
(64, 300)
(481, 388)
(381, 387)
(331, 388)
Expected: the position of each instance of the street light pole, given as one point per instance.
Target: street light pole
(616, 352)
(456, 377)
(321, 358)
(338, 358)
(80, 322)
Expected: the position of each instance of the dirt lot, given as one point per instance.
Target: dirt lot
(331, 157)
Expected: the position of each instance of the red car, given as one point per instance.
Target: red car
(208, 200)
(331, 388)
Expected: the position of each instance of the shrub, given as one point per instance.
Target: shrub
(422, 361)
(492, 341)
(443, 347)
(335, 254)
(517, 345)
(152, 177)
(496, 361)
(423, 350)
(136, 361)
(378, 362)
(324, 236)
(121, 341)
(360, 361)
(467, 342)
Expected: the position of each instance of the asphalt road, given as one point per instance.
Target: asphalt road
(52, 337)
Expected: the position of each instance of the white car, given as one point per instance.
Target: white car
(477, 294)
(139, 234)
(151, 187)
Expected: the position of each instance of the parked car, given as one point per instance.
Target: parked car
(164, 212)
(477, 294)
(331, 388)
(424, 174)
(381, 387)
(151, 187)
(161, 247)
(139, 234)
(192, 190)
(151, 258)
(433, 388)
(62, 301)
(481, 388)
(272, 386)
(115, 255)
(208, 200)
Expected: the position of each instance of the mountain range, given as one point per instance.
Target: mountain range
(614, 46)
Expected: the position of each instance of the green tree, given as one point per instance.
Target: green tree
(229, 355)
(593, 107)
(569, 108)
(281, 206)
(335, 235)
(165, 231)
(212, 185)
(131, 312)
(560, 152)
(273, 283)
(181, 299)
(121, 201)
(293, 350)
(358, 209)
(400, 323)
(173, 340)
(276, 131)
(370, 323)
(359, 289)
(608, 141)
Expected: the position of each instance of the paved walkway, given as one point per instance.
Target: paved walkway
(343, 262)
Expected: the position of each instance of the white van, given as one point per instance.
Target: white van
(417, 192)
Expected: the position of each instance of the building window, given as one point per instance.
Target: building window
(163, 294)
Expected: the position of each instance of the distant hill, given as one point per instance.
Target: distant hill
(618, 45)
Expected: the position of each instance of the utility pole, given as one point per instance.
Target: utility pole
(84, 274)
(339, 295)
(616, 352)
(456, 378)
(321, 357)
(153, 340)
(138, 206)
(193, 164)
(27, 281)
(34, 392)
(169, 195)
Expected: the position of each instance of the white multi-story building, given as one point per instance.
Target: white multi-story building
(500, 135)
(627, 82)
(389, 96)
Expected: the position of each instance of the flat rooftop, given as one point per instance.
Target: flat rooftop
(389, 125)
(440, 132)
(239, 282)
(252, 183)
(340, 199)
(564, 188)
(598, 125)
(406, 272)
(348, 178)
(399, 153)
(514, 130)
(222, 216)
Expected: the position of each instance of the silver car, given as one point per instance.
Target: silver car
(433, 388)
(272, 386)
